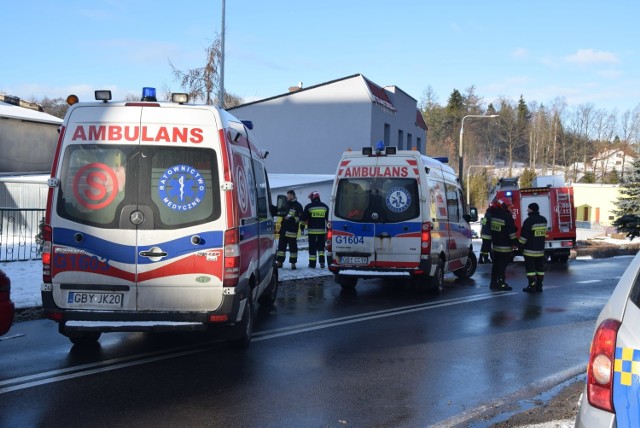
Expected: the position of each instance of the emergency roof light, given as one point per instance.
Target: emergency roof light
(379, 147)
(391, 150)
(103, 95)
(72, 99)
(367, 151)
(508, 193)
(148, 94)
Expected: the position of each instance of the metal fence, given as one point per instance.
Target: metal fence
(20, 234)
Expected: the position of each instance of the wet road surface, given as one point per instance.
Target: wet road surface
(386, 355)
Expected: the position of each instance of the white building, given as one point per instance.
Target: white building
(307, 129)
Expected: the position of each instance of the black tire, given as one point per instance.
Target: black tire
(85, 339)
(564, 258)
(347, 282)
(270, 295)
(245, 327)
(469, 268)
(436, 282)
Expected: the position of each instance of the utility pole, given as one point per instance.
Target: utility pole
(221, 91)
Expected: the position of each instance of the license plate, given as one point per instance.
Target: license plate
(349, 260)
(95, 299)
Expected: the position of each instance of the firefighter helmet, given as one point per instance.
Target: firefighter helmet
(314, 195)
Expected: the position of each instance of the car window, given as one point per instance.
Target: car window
(392, 199)
(93, 182)
(177, 184)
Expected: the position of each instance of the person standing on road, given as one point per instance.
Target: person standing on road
(531, 243)
(289, 231)
(314, 217)
(503, 240)
(485, 235)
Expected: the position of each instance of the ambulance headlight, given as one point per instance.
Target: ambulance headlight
(180, 98)
(103, 95)
(149, 94)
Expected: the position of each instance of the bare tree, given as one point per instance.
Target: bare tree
(203, 82)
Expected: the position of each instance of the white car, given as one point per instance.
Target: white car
(611, 395)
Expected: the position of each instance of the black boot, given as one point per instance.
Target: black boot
(531, 288)
(482, 259)
(539, 280)
(502, 286)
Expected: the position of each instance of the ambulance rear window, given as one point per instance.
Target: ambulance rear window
(392, 200)
(101, 185)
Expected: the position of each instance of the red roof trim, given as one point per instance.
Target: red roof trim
(420, 123)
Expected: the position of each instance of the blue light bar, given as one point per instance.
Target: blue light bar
(149, 94)
(380, 146)
(508, 193)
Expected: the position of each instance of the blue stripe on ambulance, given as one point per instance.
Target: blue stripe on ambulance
(122, 253)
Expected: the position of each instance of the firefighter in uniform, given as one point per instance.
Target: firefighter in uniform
(289, 231)
(532, 238)
(314, 217)
(503, 240)
(485, 234)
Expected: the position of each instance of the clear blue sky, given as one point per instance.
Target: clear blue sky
(587, 51)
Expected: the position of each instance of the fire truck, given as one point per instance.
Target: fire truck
(556, 203)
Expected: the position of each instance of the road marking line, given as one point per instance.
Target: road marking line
(54, 376)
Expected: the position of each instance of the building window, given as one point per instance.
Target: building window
(387, 134)
(419, 144)
(409, 141)
(400, 138)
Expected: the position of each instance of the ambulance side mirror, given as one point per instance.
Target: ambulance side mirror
(472, 216)
(282, 208)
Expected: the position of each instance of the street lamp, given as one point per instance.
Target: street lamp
(469, 178)
(460, 170)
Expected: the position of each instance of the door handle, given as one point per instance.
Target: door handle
(153, 252)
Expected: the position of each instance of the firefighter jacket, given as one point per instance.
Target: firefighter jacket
(290, 222)
(315, 217)
(485, 231)
(533, 235)
(503, 231)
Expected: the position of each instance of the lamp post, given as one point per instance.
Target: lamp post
(460, 163)
(469, 178)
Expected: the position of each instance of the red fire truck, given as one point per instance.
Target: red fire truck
(556, 203)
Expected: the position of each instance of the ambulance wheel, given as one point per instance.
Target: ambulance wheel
(245, 327)
(269, 296)
(469, 268)
(85, 339)
(437, 281)
(347, 282)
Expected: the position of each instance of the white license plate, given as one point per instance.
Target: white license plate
(108, 300)
(349, 260)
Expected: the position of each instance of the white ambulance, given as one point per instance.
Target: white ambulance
(398, 214)
(158, 218)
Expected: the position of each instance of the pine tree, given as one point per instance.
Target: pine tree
(628, 203)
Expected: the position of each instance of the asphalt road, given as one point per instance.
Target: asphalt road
(386, 355)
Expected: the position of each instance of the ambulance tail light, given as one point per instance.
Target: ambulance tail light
(231, 272)
(46, 254)
(425, 239)
(600, 368)
(328, 246)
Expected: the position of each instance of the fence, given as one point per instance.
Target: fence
(20, 234)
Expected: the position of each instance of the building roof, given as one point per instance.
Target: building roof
(21, 113)
(420, 123)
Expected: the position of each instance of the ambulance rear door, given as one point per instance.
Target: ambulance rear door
(377, 213)
(179, 215)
